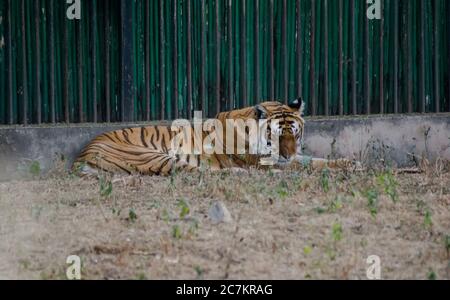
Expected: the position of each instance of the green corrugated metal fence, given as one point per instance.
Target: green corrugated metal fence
(129, 60)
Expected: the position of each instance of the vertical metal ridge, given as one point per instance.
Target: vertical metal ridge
(10, 116)
(189, 60)
(66, 77)
(107, 64)
(437, 95)
(312, 71)
(24, 65)
(203, 58)
(126, 62)
(80, 71)
(94, 60)
(448, 53)
(271, 54)
(353, 59)
(162, 60)
(230, 105)
(299, 83)
(422, 57)
(175, 59)
(409, 58)
(217, 55)
(52, 63)
(284, 52)
(367, 60)
(38, 105)
(396, 56)
(340, 60)
(147, 61)
(243, 55)
(256, 57)
(326, 69)
(381, 83)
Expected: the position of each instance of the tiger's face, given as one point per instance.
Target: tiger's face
(285, 124)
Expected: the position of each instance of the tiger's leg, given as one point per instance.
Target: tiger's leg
(92, 163)
(322, 163)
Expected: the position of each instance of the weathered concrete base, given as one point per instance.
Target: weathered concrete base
(392, 139)
(395, 140)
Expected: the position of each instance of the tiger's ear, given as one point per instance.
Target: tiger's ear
(298, 104)
(260, 112)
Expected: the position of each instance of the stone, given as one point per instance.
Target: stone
(218, 213)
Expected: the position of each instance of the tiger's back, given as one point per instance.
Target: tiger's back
(144, 150)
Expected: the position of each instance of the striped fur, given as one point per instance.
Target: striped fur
(147, 150)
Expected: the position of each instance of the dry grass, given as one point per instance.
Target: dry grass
(288, 225)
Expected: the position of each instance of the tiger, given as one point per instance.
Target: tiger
(150, 150)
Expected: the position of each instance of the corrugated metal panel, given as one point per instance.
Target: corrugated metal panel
(142, 60)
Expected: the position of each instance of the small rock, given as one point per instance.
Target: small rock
(218, 213)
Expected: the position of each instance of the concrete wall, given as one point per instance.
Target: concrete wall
(393, 139)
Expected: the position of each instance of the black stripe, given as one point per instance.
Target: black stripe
(143, 137)
(157, 133)
(163, 143)
(110, 138)
(113, 155)
(157, 156)
(125, 135)
(151, 142)
(119, 150)
(117, 136)
(164, 164)
(115, 164)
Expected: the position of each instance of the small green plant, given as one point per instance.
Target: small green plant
(193, 227)
(307, 250)
(330, 253)
(428, 222)
(447, 244)
(388, 183)
(172, 176)
(184, 208)
(337, 232)
(325, 180)
(35, 168)
(24, 263)
(420, 204)
(431, 275)
(372, 201)
(297, 180)
(105, 187)
(176, 232)
(116, 211)
(282, 189)
(320, 210)
(132, 216)
(165, 216)
(141, 276)
(306, 161)
(199, 271)
(335, 205)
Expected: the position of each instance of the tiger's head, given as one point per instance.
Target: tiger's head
(285, 124)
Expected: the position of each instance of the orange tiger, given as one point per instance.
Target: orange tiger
(150, 150)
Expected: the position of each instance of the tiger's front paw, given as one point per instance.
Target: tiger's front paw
(237, 170)
(348, 164)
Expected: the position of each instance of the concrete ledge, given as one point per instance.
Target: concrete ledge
(369, 138)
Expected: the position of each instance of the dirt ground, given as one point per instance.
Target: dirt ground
(293, 224)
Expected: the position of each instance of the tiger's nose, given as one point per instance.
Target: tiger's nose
(287, 147)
